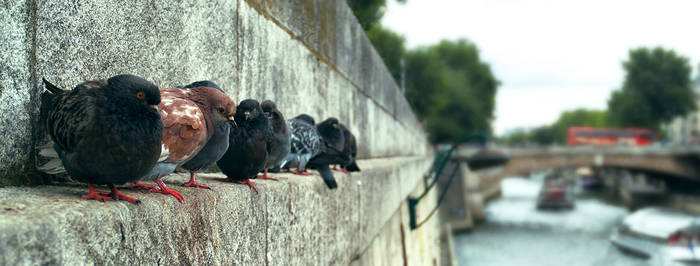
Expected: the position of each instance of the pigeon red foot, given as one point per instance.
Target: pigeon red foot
(193, 183)
(103, 195)
(264, 176)
(345, 169)
(96, 194)
(300, 172)
(140, 185)
(163, 189)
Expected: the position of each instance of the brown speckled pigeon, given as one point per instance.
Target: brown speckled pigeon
(190, 117)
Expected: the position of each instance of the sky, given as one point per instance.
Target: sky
(551, 55)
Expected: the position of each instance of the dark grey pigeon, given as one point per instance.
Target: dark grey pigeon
(278, 143)
(216, 146)
(305, 143)
(350, 148)
(247, 151)
(104, 131)
(332, 150)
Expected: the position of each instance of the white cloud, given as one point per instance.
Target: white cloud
(560, 54)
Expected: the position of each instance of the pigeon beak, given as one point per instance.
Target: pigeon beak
(154, 107)
(247, 115)
(233, 123)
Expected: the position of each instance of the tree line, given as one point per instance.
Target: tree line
(657, 88)
(451, 90)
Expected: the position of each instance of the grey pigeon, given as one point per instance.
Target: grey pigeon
(104, 131)
(305, 143)
(279, 141)
(216, 146)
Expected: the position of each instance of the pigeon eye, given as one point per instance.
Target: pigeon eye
(221, 110)
(139, 95)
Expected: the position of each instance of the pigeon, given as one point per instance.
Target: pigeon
(248, 150)
(306, 143)
(350, 148)
(103, 132)
(332, 146)
(215, 147)
(279, 142)
(190, 118)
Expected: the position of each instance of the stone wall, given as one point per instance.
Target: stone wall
(309, 56)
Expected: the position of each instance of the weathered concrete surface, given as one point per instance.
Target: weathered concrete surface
(397, 244)
(309, 56)
(295, 221)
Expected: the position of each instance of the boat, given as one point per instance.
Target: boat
(556, 193)
(669, 235)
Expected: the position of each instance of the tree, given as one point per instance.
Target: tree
(368, 12)
(451, 89)
(556, 132)
(657, 88)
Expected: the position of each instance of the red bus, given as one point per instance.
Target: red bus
(610, 136)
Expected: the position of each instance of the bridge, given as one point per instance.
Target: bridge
(676, 161)
(472, 189)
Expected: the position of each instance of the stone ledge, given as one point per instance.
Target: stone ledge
(296, 220)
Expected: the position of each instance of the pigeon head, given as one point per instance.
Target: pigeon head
(249, 110)
(133, 87)
(270, 110)
(279, 124)
(222, 107)
(306, 118)
(331, 132)
(214, 100)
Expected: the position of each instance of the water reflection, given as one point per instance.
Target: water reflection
(516, 233)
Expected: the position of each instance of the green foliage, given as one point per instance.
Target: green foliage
(368, 12)
(556, 133)
(451, 89)
(390, 46)
(447, 84)
(657, 88)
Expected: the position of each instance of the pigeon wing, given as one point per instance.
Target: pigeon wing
(184, 127)
(68, 114)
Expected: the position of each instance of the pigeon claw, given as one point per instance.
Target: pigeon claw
(193, 183)
(264, 176)
(96, 194)
(163, 189)
(119, 196)
(300, 172)
(140, 185)
(345, 169)
(247, 182)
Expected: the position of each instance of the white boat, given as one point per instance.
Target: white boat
(660, 233)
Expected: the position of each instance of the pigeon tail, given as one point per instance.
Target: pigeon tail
(327, 176)
(55, 165)
(52, 88)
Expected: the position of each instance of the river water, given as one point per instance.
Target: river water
(516, 233)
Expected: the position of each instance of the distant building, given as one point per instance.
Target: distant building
(686, 130)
